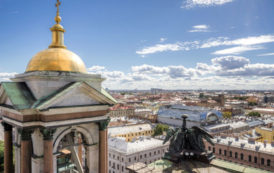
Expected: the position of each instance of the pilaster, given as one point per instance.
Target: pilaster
(48, 149)
(8, 152)
(26, 148)
(103, 146)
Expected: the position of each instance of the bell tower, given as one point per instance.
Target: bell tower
(54, 114)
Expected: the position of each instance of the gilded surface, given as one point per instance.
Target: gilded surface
(56, 59)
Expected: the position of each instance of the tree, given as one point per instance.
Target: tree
(159, 129)
(227, 115)
(254, 114)
(1, 156)
(252, 103)
(201, 95)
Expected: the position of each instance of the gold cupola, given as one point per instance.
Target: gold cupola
(57, 57)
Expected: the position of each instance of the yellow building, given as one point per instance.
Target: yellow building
(130, 132)
(266, 133)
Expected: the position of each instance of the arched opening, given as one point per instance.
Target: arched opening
(72, 153)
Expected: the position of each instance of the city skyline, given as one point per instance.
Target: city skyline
(192, 44)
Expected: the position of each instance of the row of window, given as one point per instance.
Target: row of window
(135, 158)
(255, 159)
(136, 134)
(117, 166)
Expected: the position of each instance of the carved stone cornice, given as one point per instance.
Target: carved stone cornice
(6, 126)
(47, 133)
(103, 124)
(25, 134)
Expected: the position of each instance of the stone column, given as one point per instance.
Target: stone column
(80, 150)
(48, 149)
(25, 157)
(103, 146)
(8, 160)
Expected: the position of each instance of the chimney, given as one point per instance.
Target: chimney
(272, 143)
(251, 140)
(265, 142)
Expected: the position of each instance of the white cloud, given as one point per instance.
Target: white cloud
(163, 39)
(230, 62)
(240, 45)
(200, 28)
(96, 68)
(6, 76)
(248, 41)
(203, 3)
(267, 54)
(227, 72)
(237, 50)
(168, 47)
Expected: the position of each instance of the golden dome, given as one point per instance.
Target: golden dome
(56, 59)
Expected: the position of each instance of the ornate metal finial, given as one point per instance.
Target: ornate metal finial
(57, 18)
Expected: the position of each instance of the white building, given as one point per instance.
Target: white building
(123, 154)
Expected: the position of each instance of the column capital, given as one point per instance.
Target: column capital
(47, 133)
(25, 134)
(6, 126)
(103, 124)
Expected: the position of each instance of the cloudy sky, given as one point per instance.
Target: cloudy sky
(140, 44)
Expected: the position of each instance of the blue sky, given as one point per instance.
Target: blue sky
(172, 44)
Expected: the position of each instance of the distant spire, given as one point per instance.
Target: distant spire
(57, 30)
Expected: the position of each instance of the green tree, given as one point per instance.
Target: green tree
(159, 129)
(201, 95)
(227, 115)
(254, 114)
(1, 156)
(252, 103)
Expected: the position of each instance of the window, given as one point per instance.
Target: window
(118, 167)
(109, 155)
(109, 163)
(135, 158)
(213, 149)
(230, 153)
(149, 154)
(262, 161)
(268, 162)
(255, 159)
(242, 156)
(209, 148)
(154, 152)
(158, 151)
(118, 157)
(113, 166)
(122, 159)
(145, 155)
(122, 168)
(225, 152)
(236, 155)
(113, 156)
(129, 160)
(249, 158)
(140, 156)
(220, 151)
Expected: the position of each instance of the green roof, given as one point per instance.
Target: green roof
(19, 94)
(234, 167)
(22, 98)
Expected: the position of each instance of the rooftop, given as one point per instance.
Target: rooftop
(244, 144)
(142, 144)
(129, 129)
